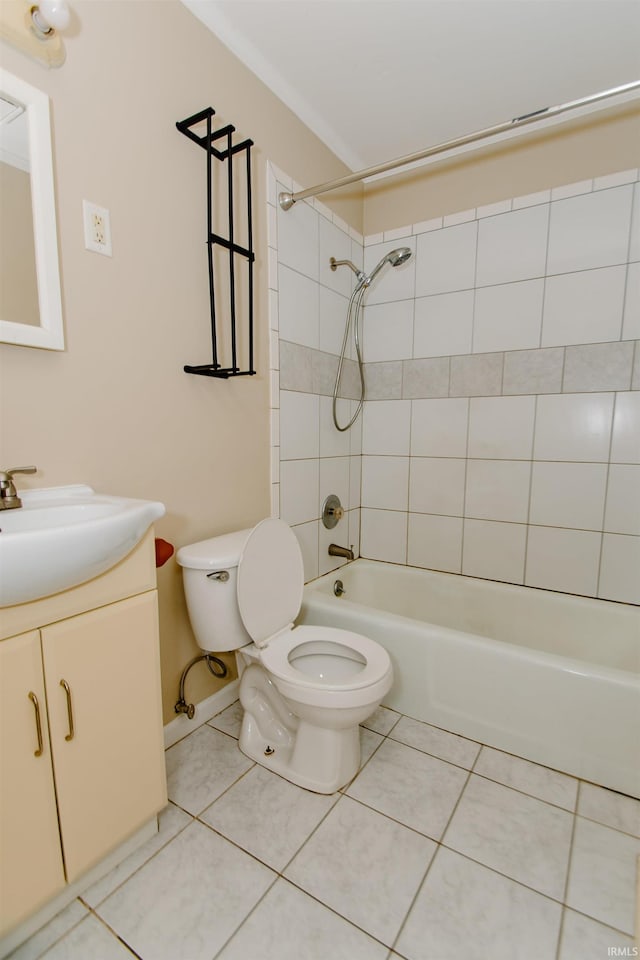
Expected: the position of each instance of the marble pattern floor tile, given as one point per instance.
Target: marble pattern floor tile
(203, 766)
(382, 721)
(438, 743)
(612, 809)
(273, 872)
(339, 866)
(369, 743)
(531, 778)
(586, 939)
(171, 821)
(89, 939)
(602, 877)
(290, 925)
(418, 790)
(229, 720)
(51, 932)
(268, 816)
(189, 899)
(519, 836)
(466, 910)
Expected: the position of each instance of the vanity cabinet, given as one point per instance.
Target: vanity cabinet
(81, 747)
(31, 868)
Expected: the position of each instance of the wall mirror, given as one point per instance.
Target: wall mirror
(30, 304)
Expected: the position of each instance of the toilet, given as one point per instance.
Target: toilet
(304, 690)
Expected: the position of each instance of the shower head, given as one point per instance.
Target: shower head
(401, 255)
(394, 257)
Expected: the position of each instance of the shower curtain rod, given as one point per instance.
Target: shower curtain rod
(287, 200)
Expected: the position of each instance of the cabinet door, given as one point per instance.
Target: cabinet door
(30, 857)
(102, 674)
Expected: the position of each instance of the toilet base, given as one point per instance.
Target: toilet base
(311, 756)
(340, 749)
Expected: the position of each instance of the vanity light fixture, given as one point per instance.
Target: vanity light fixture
(48, 16)
(34, 28)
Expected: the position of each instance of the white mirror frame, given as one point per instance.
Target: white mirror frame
(50, 333)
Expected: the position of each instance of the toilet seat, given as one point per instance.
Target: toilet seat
(270, 586)
(275, 657)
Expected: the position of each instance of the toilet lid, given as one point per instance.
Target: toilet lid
(270, 580)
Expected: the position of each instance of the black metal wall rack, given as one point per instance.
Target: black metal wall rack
(226, 155)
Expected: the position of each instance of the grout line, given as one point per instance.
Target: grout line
(562, 372)
(335, 912)
(137, 870)
(606, 491)
(246, 917)
(545, 277)
(234, 843)
(53, 943)
(566, 885)
(607, 826)
(116, 935)
(528, 526)
(465, 481)
(601, 923)
(433, 858)
(416, 895)
(506, 876)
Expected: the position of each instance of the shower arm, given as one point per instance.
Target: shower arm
(287, 200)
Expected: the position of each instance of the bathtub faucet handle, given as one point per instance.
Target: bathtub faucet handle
(332, 511)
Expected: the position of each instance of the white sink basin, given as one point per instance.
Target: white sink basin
(63, 536)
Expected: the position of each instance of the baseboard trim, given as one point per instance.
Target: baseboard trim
(32, 924)
(180, 727)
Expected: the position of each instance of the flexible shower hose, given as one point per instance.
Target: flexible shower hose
(353, 316)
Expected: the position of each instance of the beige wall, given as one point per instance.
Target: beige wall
(572, 151)
(115, 409)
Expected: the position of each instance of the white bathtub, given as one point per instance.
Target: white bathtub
(546, 676)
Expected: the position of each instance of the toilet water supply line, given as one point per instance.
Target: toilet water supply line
(164, 551)
(182, 706)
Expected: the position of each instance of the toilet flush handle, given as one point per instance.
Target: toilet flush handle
(221, 575)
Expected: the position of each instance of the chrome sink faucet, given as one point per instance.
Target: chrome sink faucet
(336, 551)
(9, 498)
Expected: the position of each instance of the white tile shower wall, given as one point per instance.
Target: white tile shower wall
(501, 437)
(505, 441)
(307, 310)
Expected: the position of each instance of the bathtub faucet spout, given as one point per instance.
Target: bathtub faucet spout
(336, 551)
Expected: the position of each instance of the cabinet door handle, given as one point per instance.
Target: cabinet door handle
(67, 690)
(36, 707)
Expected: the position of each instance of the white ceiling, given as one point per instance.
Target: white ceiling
(379, 79)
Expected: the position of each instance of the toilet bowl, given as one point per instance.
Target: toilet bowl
(304, 690)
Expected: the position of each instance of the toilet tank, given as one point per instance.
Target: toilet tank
(212, 602)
